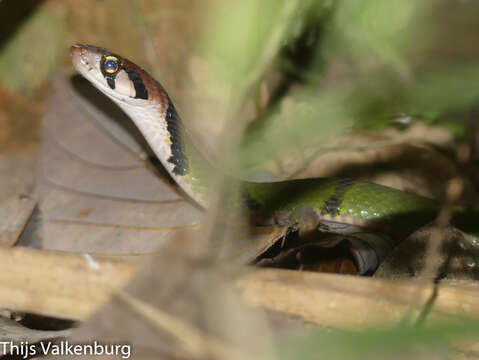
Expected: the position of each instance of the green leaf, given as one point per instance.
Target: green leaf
(28, 57)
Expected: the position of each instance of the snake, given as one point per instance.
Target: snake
(335, 205)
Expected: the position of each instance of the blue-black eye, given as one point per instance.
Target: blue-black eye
(110, 65)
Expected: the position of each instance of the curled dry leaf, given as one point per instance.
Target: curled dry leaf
(98, 194)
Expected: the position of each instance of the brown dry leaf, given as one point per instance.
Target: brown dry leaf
(407, 160)
(456, 258)
(99, 195)
(96, 193)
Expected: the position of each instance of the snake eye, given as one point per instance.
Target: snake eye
(110, 65)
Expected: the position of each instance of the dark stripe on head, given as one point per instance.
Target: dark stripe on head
(178, 157)
(140, 89)
(110, 81)
(332, 205)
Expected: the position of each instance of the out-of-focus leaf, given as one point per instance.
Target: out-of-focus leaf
(434, 341)
(450, 87)
(30, 55)
(321, 114)
(246, 34)
(377, 58)
(239, 43)
(374, 33)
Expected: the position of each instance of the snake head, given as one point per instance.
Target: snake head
(118, 78)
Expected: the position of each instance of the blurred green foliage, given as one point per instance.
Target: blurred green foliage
(32, 52)
(373, 59)
(440, 340)
(369, 60)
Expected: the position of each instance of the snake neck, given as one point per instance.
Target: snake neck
(171, 143)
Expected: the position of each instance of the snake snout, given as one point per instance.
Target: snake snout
(76, 50)
(81, 57)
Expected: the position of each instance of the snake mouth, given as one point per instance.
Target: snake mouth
(79, 53)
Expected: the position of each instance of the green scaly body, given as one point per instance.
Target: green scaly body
(346, 201)
(340, 200)
(336, 200)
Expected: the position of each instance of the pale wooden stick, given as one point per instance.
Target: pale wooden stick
(73, 286)
(351, 302)
(59, 284)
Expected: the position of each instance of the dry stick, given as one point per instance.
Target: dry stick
(351, 302)
(73, 286)
(433, 250)
(453, 193)
(58, 284)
